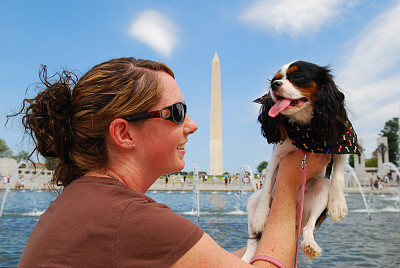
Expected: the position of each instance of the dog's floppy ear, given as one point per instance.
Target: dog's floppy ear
(330, 117)
(272, 128)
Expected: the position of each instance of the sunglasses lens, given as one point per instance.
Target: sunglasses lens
(178, 112)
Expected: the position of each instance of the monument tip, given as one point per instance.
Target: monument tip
(216, 59)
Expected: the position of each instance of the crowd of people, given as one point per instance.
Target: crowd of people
(376, 182)
(227, 179)
(19, 184)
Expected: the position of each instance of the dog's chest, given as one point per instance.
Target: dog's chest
(307, 140)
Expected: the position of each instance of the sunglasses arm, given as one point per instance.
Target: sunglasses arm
(145, 115)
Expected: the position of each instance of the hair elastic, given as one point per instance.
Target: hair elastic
(268, 259)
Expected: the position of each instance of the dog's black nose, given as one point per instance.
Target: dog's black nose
(275, 85)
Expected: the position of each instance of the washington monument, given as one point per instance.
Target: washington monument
(216, 121)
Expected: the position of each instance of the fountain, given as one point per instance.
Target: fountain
(215, 179)
(14, 178)
(357, 242)
(196, 192)
(371, 196)
(386, 168)
(349, 170)
(12, 182)
(246, 174)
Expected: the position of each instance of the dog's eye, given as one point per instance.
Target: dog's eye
(297, 76)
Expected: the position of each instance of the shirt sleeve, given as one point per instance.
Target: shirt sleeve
(152, 235)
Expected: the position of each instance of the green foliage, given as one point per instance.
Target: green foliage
(51, 163)
(4, 150)
(351, 160)
(262, 166)
(22, 155)
(391, 131)
(371, 162)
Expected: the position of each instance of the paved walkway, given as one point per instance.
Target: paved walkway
(160, 185)
(393, 189)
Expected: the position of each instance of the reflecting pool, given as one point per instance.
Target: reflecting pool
(355, 242)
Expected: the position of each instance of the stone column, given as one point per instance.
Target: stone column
(359, 163)
(383, 150)
(216, 121)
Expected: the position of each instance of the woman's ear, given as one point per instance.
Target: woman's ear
(121, 133)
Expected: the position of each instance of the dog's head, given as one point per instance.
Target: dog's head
(306, 94)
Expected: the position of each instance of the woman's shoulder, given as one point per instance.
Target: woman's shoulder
(99, 195)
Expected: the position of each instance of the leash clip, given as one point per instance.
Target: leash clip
(304, 161)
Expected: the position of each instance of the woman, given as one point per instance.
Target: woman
(114, 132)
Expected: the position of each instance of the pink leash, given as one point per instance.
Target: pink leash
(303, 184)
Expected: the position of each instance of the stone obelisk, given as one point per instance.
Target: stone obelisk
(216, 120)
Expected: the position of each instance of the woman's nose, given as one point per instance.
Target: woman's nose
(191, 126)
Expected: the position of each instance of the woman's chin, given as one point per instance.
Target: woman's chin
(178, 167)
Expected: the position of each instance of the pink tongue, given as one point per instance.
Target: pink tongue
(279, 106)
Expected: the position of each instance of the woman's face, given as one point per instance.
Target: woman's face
(162, 142)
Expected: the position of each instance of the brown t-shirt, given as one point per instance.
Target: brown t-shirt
(98, 222)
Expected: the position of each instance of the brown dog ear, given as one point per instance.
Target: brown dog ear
(272, 128)
(330, 116)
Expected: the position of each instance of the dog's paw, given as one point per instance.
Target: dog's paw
(337, 207)
(258, 222)
(311, 249)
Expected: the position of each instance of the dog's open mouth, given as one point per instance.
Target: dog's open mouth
(282, 103)
(297, 101)
(292, 102)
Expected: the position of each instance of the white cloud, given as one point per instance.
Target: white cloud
(294, 17)
(371, 75)
(156, 30)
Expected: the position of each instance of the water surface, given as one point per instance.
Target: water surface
(355, 242)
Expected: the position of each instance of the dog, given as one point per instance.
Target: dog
(305, 110)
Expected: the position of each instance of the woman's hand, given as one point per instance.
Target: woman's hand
(278, 239)
(290, 167)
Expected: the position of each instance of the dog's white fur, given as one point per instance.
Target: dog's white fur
(320, 192)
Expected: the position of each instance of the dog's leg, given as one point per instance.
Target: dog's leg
(315, 202)
(261, 213)
(252, 241)
(337, 207)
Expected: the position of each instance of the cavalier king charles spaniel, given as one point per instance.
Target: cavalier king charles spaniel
(305, 110)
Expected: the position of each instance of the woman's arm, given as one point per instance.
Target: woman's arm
(278, 239)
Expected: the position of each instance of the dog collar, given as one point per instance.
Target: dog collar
(305, 139)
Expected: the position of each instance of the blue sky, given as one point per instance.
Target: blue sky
(360, 40)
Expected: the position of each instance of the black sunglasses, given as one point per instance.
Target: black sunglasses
(175, 113)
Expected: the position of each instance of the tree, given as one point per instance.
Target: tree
(4, 150)
(262, 166)
(51, 163)
(351, 160)
(22, 155)
(371, 162)
(391, 131)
